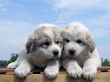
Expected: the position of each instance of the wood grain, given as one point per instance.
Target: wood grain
(9, 76)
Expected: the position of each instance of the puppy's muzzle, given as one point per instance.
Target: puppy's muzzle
(72, 52)
(55, 53)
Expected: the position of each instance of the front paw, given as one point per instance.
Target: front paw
(89, 72)
(74, 72)
(12, 65)
(22, 72)
(51, 73)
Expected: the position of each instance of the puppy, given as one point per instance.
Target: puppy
(80, 56)
(42, 49)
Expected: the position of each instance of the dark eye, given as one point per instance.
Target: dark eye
(58, 42)
(79, 41)
(67, 40)
(46, 43)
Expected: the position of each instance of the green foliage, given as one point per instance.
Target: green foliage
(13, 57)
(105, 62)
(4, 63)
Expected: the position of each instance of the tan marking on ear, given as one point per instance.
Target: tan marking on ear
(46, 26)
(30, 45)
(31, 37)
(67, 27)
(90, 42)
(40, 29)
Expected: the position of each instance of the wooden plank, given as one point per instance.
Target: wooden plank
(100, 77)
(38, 76)
(62, 70)
(6, 70)
(105, 69)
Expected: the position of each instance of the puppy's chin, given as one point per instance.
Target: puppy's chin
(51, 56)
(54, 58)
(72, 55)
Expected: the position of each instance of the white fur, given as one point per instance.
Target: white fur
(50, 33)
(72, 67)
(83, 62)
(52, 69)
(42, 57)
(13, 65)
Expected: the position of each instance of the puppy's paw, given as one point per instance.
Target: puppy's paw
(22, 72)
(51, 73)
(89, 72)
(74, 72)
(12, 65)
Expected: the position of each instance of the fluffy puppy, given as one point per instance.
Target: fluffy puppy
(42, 49)
(80, 56)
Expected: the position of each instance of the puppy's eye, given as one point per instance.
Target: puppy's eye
(46, 43)
(79, 41)
(58, 42)
(67, 40)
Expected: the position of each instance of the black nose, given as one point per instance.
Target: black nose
(72, 52)
(55, 52)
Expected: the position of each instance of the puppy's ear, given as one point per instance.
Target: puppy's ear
(31, 43)
(90, 42)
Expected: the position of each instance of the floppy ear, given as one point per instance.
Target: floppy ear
(30, 45)
(90, 43)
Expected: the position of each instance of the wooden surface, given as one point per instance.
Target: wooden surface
(38, 70)
(7, 75)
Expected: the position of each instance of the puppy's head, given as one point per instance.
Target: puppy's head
(77, 40)
(46, 41)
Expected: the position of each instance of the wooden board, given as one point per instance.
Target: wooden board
(63, 77)
(3, 70)
(7, 75)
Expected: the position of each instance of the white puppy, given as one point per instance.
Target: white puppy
(80, 56)
(43, 49)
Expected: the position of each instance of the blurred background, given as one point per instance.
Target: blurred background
(19, 18)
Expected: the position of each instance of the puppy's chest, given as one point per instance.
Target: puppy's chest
(81, 59)
(37, 61)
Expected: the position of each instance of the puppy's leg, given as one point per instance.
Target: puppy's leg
(23, 69)
(90, 67)
(72, 67)
(13, 64)
(52, 69)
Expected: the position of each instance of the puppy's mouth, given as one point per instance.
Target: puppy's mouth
(69, 55)
(72, 54)
(54, 58)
